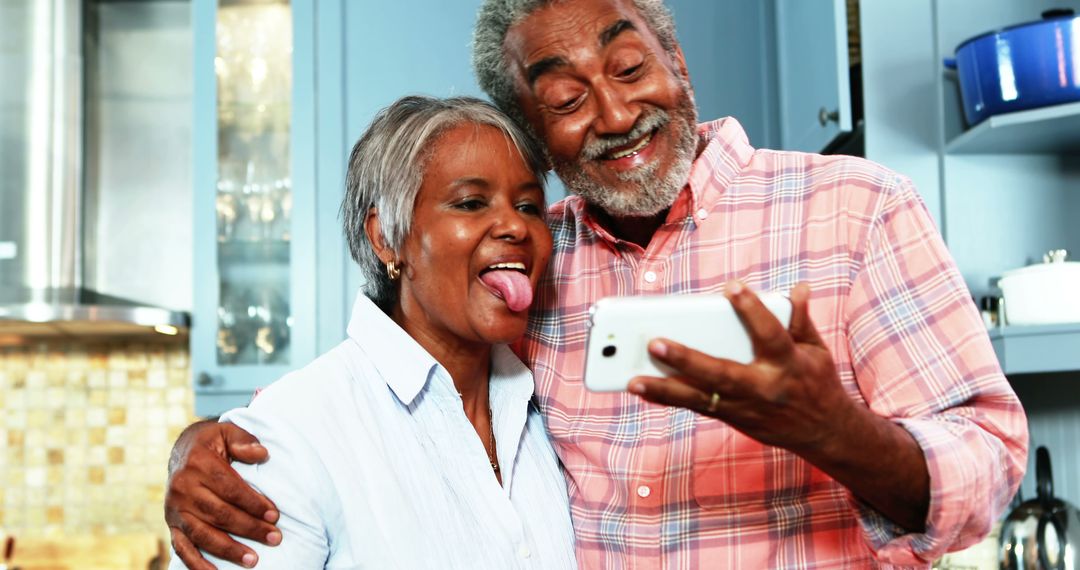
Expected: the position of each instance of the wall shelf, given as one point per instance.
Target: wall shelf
(1037, 349)
(1054, 129)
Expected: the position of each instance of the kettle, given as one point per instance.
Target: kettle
(1042, 533)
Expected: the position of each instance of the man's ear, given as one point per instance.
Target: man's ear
(680, 63)
(373, 230)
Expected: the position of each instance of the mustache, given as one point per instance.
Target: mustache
(649, 121)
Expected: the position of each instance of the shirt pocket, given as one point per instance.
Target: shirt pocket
(733, 471)
(730, 469)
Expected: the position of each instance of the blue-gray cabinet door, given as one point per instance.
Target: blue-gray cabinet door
(812, 64)
(254, 294)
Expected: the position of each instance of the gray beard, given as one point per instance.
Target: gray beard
(650, 194)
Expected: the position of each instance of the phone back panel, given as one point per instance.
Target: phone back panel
(621, 328)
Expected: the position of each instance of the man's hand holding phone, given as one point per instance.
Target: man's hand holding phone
(789, 395)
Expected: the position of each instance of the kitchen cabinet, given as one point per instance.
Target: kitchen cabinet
(812, 62)
(254, 316)
(1011, 188)
(1010, 184)
(1002, 193)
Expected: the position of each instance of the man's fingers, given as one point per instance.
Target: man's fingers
(802, 329)
(227, 484)
(242, 446)
(212, 506)
(768, 336)
(216, 542)
(222, 480)
(673, 391)
(187, 552)
(701, 371)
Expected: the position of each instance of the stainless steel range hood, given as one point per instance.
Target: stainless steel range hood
(42, 215)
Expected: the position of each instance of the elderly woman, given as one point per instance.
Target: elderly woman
(413, 444)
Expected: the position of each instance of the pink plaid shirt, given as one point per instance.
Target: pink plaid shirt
(659, 487)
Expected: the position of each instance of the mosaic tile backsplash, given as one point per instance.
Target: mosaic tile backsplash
(85, 435)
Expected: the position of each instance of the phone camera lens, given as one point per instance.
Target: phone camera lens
(609, 351)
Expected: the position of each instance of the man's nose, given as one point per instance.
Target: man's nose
(617, 114)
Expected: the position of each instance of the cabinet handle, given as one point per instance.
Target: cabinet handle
(824, 116)
(205, 380)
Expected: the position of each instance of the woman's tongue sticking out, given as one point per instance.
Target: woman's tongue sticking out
(513, 286)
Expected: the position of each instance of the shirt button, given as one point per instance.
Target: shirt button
(644, 491)
(702, 214)
(650, 277)
(524, 552)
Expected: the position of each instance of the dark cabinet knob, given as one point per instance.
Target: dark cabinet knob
(825, 116)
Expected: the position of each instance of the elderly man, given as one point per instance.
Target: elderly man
(876, 430)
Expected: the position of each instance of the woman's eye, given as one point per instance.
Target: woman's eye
(530, 208)
(470, 204)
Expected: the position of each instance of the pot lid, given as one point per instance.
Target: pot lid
(1053, 15)
(1041, 268)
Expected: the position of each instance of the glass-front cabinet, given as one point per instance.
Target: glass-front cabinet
(254, 198)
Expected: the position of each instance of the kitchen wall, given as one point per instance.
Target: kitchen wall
(85, 435)
(903, 129)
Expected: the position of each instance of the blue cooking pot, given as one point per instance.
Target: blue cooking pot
(1020, 67)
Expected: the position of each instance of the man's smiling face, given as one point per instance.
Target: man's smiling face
(613, 107)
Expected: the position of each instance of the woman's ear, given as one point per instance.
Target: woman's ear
(373, 229)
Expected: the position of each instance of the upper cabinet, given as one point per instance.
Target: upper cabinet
(815, 103)
(1010, 183)
(254, 198)
(1026, 63)
(1003, 191)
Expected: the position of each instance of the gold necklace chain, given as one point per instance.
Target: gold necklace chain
(493, 457)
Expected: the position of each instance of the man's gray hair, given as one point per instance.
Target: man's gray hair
(495, 19)
(386, 169)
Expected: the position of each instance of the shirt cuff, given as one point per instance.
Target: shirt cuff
(969, 488)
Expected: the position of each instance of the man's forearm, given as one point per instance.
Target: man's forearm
(880, 462)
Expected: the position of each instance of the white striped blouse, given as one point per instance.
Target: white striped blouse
(373, 463)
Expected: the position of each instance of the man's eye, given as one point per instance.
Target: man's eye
(568, 104)
(629, 71)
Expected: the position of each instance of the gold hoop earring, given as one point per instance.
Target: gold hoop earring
(392, 270)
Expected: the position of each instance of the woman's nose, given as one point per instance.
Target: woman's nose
(510, 224)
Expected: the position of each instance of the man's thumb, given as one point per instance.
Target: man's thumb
(242, 446)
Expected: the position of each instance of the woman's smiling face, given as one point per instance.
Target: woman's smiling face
(479, 207)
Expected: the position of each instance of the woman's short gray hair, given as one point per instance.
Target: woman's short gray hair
(387, 166)
(495, 19)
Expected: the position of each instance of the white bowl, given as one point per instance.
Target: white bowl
(1043, 294)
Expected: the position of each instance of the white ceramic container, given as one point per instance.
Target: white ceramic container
(1042, 294)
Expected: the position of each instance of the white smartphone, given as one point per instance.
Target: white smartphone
(620, 329)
